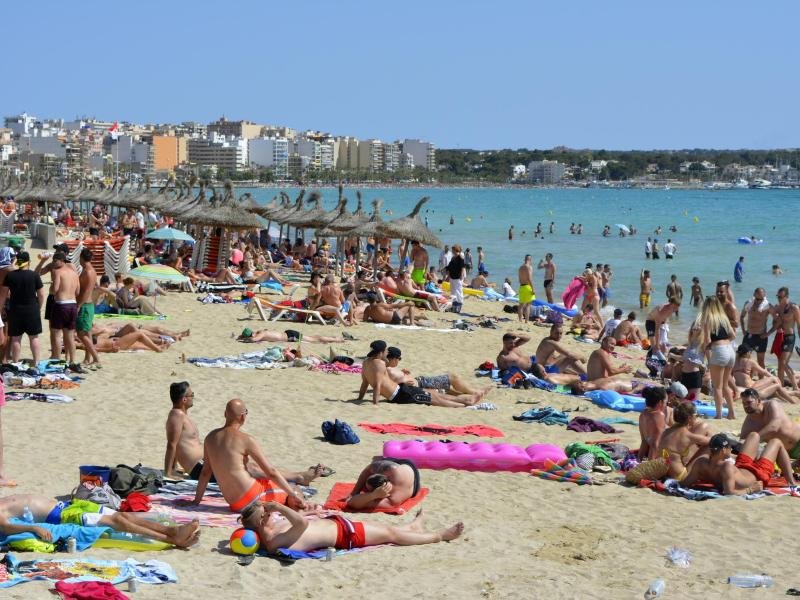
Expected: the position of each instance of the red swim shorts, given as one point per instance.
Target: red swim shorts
(762, 468)
(349, 534)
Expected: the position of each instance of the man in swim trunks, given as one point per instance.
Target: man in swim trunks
(526, 291)
(549, 275)
(657, 317)
(599, 365)
(770, 421)
(786, 317)
(419, 262)
(556, 358)
(65, 287)
(227, 451)
(385, 483)
(449, 383)
(645, 288)
(88, 514)
(85, 318)
(296, 532)
(753, 321)
(749, 473)
(288, 335)
(374, 373)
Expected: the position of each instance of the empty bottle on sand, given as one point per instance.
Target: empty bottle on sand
(656, 589)
(751, 581)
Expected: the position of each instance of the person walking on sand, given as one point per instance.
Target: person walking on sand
(786, 318)
(549, 275)
(526, 291)
(85, 318)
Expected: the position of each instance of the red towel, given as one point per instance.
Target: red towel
(337, 500)
(135, 502)
(432, 429)
(89, 590)
(777, 344)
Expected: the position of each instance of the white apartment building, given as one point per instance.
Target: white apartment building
(20, 124)
(270, 153)
(423, 154)
(310, 149)
(370, 155)
(391, 157)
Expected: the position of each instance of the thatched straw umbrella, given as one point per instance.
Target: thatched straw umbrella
(411, 228)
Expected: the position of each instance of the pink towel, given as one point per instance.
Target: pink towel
(89, 590)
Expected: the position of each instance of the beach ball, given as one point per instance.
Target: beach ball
(244, 541)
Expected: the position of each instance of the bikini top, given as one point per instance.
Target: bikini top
(720, 334)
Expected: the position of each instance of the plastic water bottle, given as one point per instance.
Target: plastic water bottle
(656, 589)
(329, 554)
(751, 581)
(27, 515)
(72, 545)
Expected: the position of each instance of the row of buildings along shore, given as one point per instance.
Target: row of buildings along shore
(90, 147)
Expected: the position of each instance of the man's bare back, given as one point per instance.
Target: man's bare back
(66, 284)
(189, 451)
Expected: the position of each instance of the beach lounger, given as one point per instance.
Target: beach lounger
(431, 304)
(282, 312)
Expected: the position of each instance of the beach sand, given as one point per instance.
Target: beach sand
(525, 537)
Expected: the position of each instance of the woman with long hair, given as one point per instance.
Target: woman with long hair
(716, 335)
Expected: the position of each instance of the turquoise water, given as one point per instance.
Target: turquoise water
(708, 223)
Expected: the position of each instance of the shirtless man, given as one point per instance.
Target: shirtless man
(748, 473)
(65, 287)
(375, 374)
(405, 287)
(653, 421)
(655, 319)
(87, 514)
(599, 366)
(42, 269)
(85, 318)
(627, 331)
(526, 290)
(553, 356)
(725, 295)
(753, 321)
(588, 323)
(226, 454)
(674, 290)
(449, 383)
(419, 262)
(331, 299)
(384, 483)
(786, 317)
(289, 335)
(296, 532)
(770, 421)
(645, 288)
(185, 450)
(390, 314)
(549, 275)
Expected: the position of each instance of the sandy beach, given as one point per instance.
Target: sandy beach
(525, 537)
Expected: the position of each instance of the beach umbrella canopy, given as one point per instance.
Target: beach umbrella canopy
(158, 273)
(371, 226)
(623, 227)
(168, 233)
(411, 227)
(283, 215)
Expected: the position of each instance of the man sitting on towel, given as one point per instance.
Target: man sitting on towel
(749, 473)
(295, 532)
(227, 452)
(87, 514)
(385, 483)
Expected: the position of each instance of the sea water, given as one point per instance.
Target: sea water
(708, 224)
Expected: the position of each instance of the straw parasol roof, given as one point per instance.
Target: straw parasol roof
(371, 227)
(283, 216)
(411, 227)
(316, 216)
(224, 211)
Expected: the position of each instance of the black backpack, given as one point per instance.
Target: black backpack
(125, 479)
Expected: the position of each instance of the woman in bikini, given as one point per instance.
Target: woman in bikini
(684, 441)
(766, 385)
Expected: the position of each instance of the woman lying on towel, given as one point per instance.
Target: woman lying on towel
(297, 532)
(135, 340)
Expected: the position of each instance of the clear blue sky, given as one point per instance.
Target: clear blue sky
(616, 75)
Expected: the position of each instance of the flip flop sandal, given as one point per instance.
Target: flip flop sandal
(323, 470)
(245, 559)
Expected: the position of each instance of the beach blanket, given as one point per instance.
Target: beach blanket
(287, 556)
(84, 536)
(432, 429)
(40, 397)
(586, 425)
(337, 368)
(566, 471)
(777, 487)
(212, 512)
(547, 415)
(88, 590)
(14, 571)
(337, 500)
(131, 317)
(188, 486)
(259, 359)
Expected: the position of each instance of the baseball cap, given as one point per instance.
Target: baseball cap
(392, 352)
(23, 257)
(246, 333)
(62, 247)
(677, 388)
(719, 441)
(376, 348)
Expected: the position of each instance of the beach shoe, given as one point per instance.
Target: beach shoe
(245, 559)
(322, 470)
(483, 406)
(76, 368)
(349, 336)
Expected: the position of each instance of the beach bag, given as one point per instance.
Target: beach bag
(99, 494)
(652, 470)
(338, 432)
(512, 375)
(125, 479)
